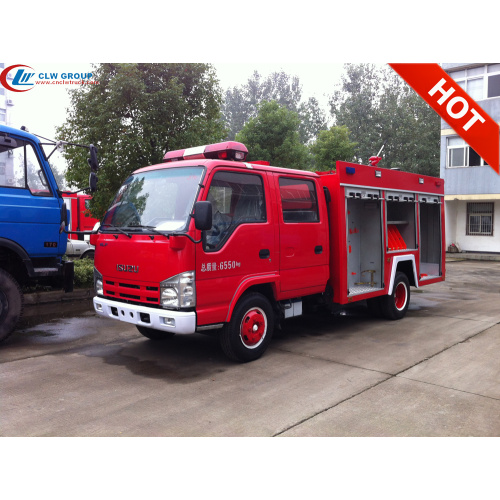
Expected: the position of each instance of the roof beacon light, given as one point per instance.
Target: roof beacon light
(230, 150)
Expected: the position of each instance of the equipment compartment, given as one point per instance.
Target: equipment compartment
(400, 215)
(364, 243)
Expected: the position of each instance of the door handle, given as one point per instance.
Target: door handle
(318, 249)
(264, 253)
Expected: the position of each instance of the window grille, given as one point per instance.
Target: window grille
(479, 219)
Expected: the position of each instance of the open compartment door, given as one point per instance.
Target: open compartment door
(430, 237)
(364, 241)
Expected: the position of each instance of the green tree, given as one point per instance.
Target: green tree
(355, 105)
(273, 135)
(379, 108)
(409, 128)
(242, 103)
(312, 120)
(134, 115)
(332, 145)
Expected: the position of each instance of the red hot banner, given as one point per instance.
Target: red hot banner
(455, 107)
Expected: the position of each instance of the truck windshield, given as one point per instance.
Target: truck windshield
(159, 199)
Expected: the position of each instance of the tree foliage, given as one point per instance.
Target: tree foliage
(273, 135)
(379, 108)
(242, 103)
(332, 145)
(134, 115)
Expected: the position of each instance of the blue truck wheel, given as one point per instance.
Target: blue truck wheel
(11, 304)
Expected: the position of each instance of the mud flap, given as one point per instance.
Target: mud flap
(68, 276)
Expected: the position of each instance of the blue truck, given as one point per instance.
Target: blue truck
(33, 221)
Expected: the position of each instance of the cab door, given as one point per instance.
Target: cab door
(303, 235)
(240, 245)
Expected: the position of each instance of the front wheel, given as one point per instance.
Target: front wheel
(11, 304)
(394, 306)
(247, 336)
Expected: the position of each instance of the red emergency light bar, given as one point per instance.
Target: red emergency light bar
(221, 151)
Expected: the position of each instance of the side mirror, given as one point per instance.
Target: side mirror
(93, 164)
(93, 182)
(203, 215)
(64, 218)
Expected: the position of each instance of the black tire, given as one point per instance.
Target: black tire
(153, 334)
(11, 304)
(247, 336)
(88, 255)
(394, 306)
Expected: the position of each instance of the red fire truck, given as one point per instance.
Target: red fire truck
(207, 242)
(80, 218)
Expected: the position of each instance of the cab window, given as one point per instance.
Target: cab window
(299, 202)
(236, 199)
(20, 168)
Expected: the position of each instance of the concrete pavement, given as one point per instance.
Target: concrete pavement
(434, 373)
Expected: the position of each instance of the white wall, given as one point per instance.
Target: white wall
(456, 218)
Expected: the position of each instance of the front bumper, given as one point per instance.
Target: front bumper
(159, 319)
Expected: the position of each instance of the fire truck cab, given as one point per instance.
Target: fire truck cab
(207, 242)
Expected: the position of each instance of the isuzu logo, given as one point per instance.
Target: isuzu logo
(126, 268)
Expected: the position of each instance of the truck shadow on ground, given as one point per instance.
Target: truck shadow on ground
(191, 358)
(182, 359)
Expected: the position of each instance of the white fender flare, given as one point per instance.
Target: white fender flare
(395, 261)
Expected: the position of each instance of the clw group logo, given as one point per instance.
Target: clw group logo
(21, 78)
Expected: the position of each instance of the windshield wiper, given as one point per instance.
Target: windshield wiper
(114, 228)
(149, 228)
(166, 233)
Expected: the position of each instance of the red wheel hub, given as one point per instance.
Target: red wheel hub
(400, 296)
(253, 327)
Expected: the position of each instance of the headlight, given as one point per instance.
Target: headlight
(179, 291)
(99, 289)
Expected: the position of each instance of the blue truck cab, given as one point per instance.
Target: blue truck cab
(33, 220)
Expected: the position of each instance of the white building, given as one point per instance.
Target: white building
(6, 102)
(472, 189)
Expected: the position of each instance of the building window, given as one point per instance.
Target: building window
(460, 154)
(493, 80)
(471, 80)
(479, 219)
(480, 83)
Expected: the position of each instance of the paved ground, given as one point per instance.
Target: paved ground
(434, 373)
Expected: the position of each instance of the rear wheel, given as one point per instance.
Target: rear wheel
(153, 334)
(247, 336)
(394, 306)
(11, 304)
